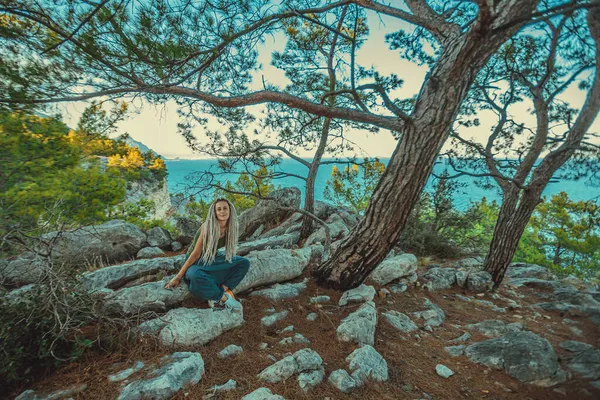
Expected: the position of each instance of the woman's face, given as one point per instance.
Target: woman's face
(222, 210)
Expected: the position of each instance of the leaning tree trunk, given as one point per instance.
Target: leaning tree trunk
(309, 199)
(422, 137)
(510, 225)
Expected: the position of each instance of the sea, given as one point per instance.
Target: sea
(183, 174)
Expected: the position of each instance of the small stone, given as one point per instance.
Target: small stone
(287, 329)
(262, 394)
(576, 331)
(455, 351)
(462, 338)
(360, 294)
(176, 246)
(320, 299)
(398, 288)
(230, 351)
(126, 373)
(342, 381)
(312, 316)
(407, 388)
(443, 371)
(274, 318)
(263, 346)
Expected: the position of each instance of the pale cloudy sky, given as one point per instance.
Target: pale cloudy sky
(156, 126)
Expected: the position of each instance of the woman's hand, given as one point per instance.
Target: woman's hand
(173, 283)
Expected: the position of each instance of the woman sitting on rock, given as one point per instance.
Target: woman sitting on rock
(211, 272)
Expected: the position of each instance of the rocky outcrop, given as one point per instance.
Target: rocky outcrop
(523, 355)
(188, 228)
(266, 212)
(191, 326)
(107, 243)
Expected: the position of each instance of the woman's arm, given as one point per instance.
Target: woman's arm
(194, 256)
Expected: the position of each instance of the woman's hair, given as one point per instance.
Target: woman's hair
(210, 233)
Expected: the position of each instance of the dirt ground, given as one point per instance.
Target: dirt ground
(411, 358)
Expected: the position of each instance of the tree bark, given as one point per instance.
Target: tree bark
(413, 159)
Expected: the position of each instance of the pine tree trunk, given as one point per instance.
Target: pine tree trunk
(510, 225)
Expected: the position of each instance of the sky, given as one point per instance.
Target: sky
(156, 125)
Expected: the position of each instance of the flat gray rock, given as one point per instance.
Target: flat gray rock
(281, 291)
(126, 373)
(304, 360)
(149, 252)
(455, 351)
(59, 394)
(366, 363)
(272, 319)
(523, 355)
(159, 237)
(359, 326)
(433, 315)
(575, 346)
(495, 328)
(523, 270)
(280, 241)
(298, 338)
(262, 394)
(310, 379)
(192, 326)
(394, 268)
(319, 299)
(479, 281)
(177, 371)
(462, 338)
(359, 294)
(400, 321)
(337, 230)
(586, 364)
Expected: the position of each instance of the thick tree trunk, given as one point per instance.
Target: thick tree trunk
(412, 161)
(510, 225)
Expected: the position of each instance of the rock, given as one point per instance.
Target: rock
(59, 394)
(277, 265)
(366, 363)
(398, 288)
(462, 338)
(263, 346)
(274, 318)
(280, 292)
(575, 346)
(495, 328)
(433, 315)
(266, 211)
(455, 351)
(308, 380)
(146, 297)
(230, 351)
(469, 263)
(534, 283)
(26, 268)
(319, 299)
(341, 380)
(443, 371)
(522, 355)
(298, 338)
(359, 326)
(361, 294)
(188, 228)
(126, 373)
(312, 316)
(479, 281)
(394, 268)
(226, 387)
(102, 244)
(439, 278)
(586, 364)
(399, 321)
(262, 394)
(115, 276)
(159, 237)
(301, 361)
(461, 278)
(176, 246)
(191, 326)
(337, 230)
(523, 270)
(287, 329)
(177, 371)
(281, 241)
(149, 252)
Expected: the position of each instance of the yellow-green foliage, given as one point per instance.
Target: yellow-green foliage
(258, 182)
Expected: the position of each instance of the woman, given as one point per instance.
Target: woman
(211, 273)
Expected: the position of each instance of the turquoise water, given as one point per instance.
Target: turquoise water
(180, 172)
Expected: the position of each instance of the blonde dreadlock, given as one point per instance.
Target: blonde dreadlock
(211, 232)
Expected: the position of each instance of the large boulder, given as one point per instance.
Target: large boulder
(192, 326)
(337, 230)
(523, 355)
(359, 294)
(26, 268)
(266, 212)
(115, 276)
(393, 268)
(586, 363)
(366, 363)
(286, 241)
(146, 297)
(523, 270)
(359, 326)
(479, 281)
(177, 371)
(187, 230)
(159, 237)
(279, 265)
(107, 243)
